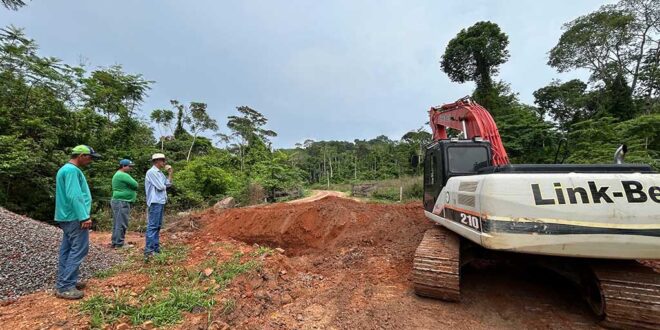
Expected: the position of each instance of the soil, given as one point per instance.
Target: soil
(341, 264)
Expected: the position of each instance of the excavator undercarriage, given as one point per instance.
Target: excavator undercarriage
(623, 294)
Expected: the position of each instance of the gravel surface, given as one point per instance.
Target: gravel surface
(29, 255)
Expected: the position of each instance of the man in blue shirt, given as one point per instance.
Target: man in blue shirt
(73, 204)
(155, 185)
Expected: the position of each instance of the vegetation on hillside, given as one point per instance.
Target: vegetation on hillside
(47, 107)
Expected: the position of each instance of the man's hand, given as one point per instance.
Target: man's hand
(169, 169)
(87, 224)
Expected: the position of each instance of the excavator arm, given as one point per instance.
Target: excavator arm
(473, 120)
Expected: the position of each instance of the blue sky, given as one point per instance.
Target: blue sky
(323, 70)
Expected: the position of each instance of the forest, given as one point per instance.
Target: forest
(47, 107)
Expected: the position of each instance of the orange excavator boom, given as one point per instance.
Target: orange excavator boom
(473, 120)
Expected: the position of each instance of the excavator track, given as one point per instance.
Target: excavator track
(629, 295)
(436, 267)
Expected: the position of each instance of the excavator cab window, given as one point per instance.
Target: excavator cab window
(433, 175)
(445, 159)
(467, 160)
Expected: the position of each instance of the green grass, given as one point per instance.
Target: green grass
(171, 291)
(225, 272)
(388, 190)
(262, 251)
(162, 309)
(114, 270)
(228, 306)
(171, 255)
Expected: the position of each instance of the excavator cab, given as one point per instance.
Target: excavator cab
(448, 158)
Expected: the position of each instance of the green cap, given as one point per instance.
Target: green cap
(85, 150)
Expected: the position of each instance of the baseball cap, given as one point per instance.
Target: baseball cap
(85, 150)
(157, 156)
(126, 162)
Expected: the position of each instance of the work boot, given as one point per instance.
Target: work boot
(81, 285)
(71, 294)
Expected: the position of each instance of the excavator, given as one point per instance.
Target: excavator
(591, 224)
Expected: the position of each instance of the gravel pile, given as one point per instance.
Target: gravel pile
(29, 255)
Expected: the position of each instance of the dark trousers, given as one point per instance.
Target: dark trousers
(121, 212)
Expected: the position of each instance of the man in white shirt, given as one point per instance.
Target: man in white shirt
(155, 185)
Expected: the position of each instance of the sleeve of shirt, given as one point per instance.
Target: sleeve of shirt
(130, 182)
(75, 195)
(156, 181)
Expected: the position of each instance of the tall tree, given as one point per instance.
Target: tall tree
(247, 130)
(614, 40)
(114, 92)
(163, 119)
(645, 48)
(566, 103)
(197, 120)
(475, 54)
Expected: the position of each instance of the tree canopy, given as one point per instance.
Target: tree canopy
(475, 54)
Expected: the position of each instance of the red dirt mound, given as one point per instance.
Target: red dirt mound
(326, 224)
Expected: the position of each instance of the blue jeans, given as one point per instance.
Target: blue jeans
(75, 244)
(121, 211)
(154, 222)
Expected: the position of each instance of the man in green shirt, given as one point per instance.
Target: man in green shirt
(73, 204)
(124, 191)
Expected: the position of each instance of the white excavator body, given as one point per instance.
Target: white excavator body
(594, 215)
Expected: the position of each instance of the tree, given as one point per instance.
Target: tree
(417, 141)
(475, 55)
(13, 4)
(528, 139)
(163, 119)
(566, 103)
(196, 118)
(114, 92)
(247, 130)
(619, 102)
(645, 50)
(595, 140)
(179, 130)
(614, 40)
(276, 174)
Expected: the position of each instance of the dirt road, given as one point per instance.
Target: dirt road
(318, 194)
(345, 265)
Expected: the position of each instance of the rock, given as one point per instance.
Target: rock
(262, 295)
(122, 326)
(226, 203)
(218, 325)
(29, 256)
(183, 214)
(256, 283)
(198, 309)
(283, 272)
(315, 312)
(286, 299)
(207, 272)
(148, 325)
(279, 250)
(299, 317)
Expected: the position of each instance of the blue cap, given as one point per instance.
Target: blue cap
(126, 162)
